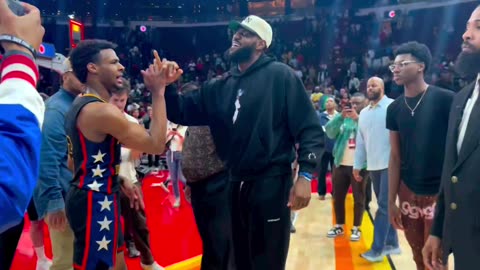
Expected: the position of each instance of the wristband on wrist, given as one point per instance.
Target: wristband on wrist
(306, 175)
(18, 41)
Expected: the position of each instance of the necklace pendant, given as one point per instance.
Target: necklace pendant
(413, 113)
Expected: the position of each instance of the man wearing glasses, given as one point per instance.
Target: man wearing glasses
(418, 122)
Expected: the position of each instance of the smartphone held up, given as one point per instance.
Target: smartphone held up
(16, 7)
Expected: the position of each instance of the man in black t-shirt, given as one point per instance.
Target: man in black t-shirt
(418, 123)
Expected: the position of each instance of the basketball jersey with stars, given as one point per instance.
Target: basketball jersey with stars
(92, 203)
(96, 164)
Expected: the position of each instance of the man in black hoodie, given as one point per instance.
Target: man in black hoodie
(256, 113)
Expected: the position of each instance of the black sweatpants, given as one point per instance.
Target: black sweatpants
(210, 203)
(9, 238)
(261, 222)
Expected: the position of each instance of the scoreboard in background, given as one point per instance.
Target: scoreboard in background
(76, 33)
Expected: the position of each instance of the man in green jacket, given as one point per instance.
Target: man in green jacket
(343, 128)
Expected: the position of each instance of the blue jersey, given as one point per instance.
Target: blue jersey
(92, 204)
(96, 164)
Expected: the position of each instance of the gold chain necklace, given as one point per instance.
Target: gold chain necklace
(418, 103)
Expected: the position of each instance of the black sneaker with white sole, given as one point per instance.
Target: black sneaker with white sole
(335, 232)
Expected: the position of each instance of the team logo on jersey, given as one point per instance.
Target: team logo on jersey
(237, 105)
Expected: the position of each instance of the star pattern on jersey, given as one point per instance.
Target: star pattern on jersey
(99, 157)
(103, 244)
(95, 186)
(105, 204)
(104, 224)
(98, 171)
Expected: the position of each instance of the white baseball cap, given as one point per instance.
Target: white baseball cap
(256, 25)
(66, 66)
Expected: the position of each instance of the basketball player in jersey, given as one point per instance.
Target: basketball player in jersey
(94, 131)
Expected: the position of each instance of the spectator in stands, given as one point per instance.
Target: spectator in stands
(175, 137)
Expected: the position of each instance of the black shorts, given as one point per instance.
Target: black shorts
(95, 221)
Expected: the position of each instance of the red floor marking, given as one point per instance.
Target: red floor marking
(173, 232)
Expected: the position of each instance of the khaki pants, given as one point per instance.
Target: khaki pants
(62, 249)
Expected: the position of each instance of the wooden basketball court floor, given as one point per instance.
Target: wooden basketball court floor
(176, 244)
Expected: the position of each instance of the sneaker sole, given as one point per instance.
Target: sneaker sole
(372, 260)
(393, 253)
(334, 236)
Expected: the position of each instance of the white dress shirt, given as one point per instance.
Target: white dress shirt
(466, 115)
(127, 166)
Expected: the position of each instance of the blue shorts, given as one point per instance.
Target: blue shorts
(95, 221)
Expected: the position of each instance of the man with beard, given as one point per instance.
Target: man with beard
(418, 122)
(256, 113)
(373, 152)
(95, 131)
(455, 228)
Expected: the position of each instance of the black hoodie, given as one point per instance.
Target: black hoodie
(274, 114)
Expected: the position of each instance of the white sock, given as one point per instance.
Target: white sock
(339, 226)
(40, 251)
(355, 227)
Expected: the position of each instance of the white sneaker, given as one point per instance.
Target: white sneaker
(154, 266)
(43, 264)
(373, 256)
(356, 234)
(390, 250)
(177, 203)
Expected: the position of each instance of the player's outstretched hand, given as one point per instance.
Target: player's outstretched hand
(27, 27)
(173, 70)
(158, 76)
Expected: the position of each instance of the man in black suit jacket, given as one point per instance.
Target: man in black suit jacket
(456, 226)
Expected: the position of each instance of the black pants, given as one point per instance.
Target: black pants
(327, 159)
(151, 161)
(342, 181)
(9, 238)
(261, 222)
(210, 203)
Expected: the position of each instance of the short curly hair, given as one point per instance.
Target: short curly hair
(418, 50)
(87, 51)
